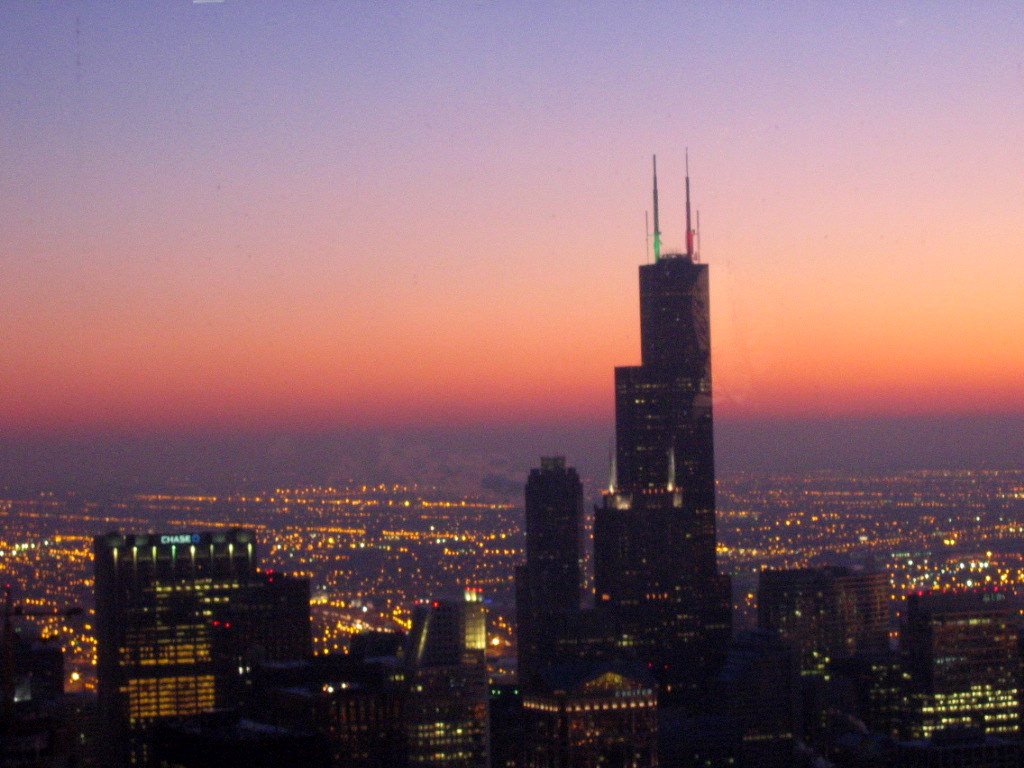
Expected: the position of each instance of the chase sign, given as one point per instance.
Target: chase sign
(180, 538)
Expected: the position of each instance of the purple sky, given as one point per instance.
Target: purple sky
(239, 217)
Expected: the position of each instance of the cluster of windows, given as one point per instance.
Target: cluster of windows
(153, 697)
(181, 645)
(448, 741)
(993, 709)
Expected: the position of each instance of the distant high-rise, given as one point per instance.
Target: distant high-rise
(825, 613)
(549, 588)
(963, 654)
(654, 534)
(356, 702)
(180, 618)
(446, 712)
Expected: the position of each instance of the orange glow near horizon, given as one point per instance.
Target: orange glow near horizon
(443, 224)
(527, 353)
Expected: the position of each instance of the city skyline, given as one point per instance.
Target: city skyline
(229, 218)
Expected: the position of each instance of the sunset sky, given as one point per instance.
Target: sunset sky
(249, 215)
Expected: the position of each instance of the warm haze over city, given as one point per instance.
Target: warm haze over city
(248, 219)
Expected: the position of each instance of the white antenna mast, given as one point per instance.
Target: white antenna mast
(696, 256)
(647, 237)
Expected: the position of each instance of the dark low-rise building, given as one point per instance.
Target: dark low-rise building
(960, 748)
(217, 740)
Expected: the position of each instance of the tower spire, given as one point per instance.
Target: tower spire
(671, 484)
(689, 227)
(657, 229)
(696, 247)
(613, 479)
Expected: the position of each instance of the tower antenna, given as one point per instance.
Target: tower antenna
(671, 484)
(696, 256)
(647, 237)
(657, 229)
(689, 229)
(613, 478)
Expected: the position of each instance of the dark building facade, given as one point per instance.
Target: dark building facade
(654, 533)
(38, 669)
(757, 693)
(872, 686)
(446, 712)
(584, 715)
(356, 704)
(825, 613)
(549, 588)
(224, 739)
(508, 729)
(180, 620)
(959, 748)
(963, 656)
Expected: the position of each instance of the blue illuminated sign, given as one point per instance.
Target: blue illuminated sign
(180, 538)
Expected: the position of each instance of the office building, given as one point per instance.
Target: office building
(872, 687)
(825, 613)
(357, 704)
(549, 587)
(447, 709)
(757, 692)
(654, 533)
(508, 729)
(180, 620)
(963, 656)
(38, 669)
(582, 715)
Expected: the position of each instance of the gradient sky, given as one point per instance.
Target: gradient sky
(243, 215)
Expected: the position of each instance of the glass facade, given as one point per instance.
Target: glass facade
(180, 619)
(654, 534)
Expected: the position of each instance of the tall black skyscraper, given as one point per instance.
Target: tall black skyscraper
(654, 534)
(549, 587)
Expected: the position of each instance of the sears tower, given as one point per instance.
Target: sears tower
(654, 533)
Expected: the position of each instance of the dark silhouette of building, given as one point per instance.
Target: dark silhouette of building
(549, 587)
(654, 534)
(447, 709)
(38, 669)
(757, 693)
(224, 739)
(377, 644)
(872, 687)
(180, 620)
(959, 748)
(825, 613)
(963, 655)
(590, 716)
(356, 703)
(508, 729)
